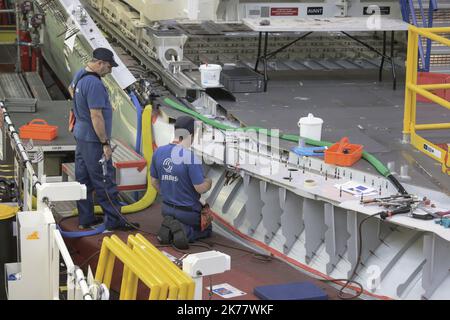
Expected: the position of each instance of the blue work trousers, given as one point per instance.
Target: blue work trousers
(190, 221)
(88, 171)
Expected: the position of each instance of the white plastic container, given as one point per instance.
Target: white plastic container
(210, 75)
(310, 127)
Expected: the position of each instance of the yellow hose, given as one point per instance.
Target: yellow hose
(147, 149)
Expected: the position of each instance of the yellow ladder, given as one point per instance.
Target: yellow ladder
(142, 261)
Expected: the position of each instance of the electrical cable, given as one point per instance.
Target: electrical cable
(85, 261)
(179, 250)
(101, 228)
(358, 261)
(256, 255)
(119, 214)
(210, 293)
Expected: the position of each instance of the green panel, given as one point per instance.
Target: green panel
(65, 64)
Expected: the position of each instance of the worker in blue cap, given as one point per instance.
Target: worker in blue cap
(178, 175)
(92, 130)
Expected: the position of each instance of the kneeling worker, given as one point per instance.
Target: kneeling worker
(178, 175)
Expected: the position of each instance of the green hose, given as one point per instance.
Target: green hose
(377, 164)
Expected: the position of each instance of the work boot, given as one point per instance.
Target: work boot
(164, 235)
(180, 240)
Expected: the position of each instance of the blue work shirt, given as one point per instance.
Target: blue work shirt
(177, 170)
(90, 93)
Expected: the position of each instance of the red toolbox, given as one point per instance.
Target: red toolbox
(38, 129)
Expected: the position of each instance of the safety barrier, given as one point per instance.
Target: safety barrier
(181, 286)
(142, 261)
(39, 265)
(437, 152)
(7, 36)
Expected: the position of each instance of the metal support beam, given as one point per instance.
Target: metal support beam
(314, 218)
(336, 235)
(402, 287)
(291, 219)
(271, 210)
(232, 195)
(437, 267)
(251, 212)
(370, 232)
(215, 190)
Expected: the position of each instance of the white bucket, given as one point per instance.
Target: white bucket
(210, 75)
(310, 127)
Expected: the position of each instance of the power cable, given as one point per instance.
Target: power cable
(103, 163)
(358, 261)
(256, 255)
(210, 293)
(85, 261)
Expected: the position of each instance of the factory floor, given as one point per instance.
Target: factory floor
(249, 268)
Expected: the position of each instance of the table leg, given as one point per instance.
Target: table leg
(266, 78)
(394, 84)
(380, 73)
(381, 54)
(258, 55)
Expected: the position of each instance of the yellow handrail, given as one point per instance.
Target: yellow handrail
(142, 261)
(8, 36)
(181, 280)
(429, 95)
(435, 86)
(155, 277)
(412, 89)
(114, 248)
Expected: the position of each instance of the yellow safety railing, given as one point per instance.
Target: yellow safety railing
(142, 261)
(412, 89)
(181, 286)
(7, 36)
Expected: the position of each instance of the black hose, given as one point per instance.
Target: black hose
(397, 184)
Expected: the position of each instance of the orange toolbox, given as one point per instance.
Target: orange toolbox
(38, 129)
(343, 153)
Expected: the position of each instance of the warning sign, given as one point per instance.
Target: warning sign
(284, 12)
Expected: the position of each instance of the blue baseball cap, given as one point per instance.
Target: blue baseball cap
(104, 54)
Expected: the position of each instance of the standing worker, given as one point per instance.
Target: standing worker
(178, 175)
(92, 131)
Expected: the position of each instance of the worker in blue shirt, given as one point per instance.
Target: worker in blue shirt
(92, 131)
(178, 175)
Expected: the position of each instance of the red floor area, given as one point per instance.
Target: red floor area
(248, 269)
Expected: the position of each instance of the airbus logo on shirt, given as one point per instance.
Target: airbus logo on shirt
(167, 165)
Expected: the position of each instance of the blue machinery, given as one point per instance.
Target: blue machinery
(409, 15)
